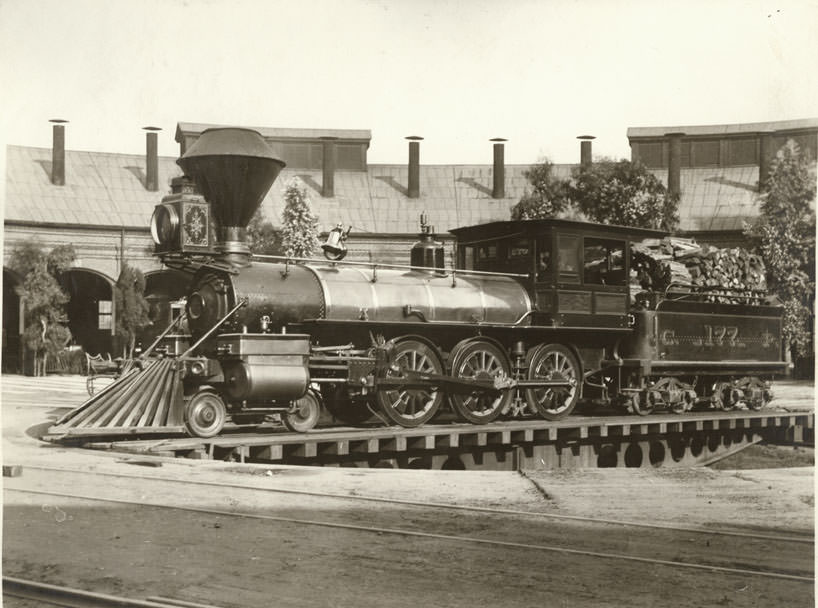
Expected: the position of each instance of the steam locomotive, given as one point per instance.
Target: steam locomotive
(533, 316)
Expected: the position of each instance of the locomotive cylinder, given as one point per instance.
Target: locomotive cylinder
(262, 367)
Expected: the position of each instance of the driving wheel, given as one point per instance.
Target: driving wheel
(553, 362)
(479, 360)
(411, 407)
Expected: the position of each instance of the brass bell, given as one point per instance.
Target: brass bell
(334, 247)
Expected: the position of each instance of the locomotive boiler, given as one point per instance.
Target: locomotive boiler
(532, 316)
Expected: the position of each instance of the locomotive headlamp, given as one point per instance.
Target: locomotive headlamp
(181, 223)
(164, 224)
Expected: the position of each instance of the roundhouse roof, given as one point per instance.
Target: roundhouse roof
(109, 189)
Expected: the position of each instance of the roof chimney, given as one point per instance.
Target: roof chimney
(328, 166)
(151, 159)
(499, 190)
(414, 166)
(58, 152)
(674, 165)
(765, 156)
(585, 150)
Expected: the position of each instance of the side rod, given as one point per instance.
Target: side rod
(451, 384)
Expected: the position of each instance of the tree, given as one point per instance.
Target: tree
(549, 197)
(623, 192)
(45, 331)
(784, 235)
(608, 191)
(300, 231)
(262, 236)
(60, 259)
(131, 307)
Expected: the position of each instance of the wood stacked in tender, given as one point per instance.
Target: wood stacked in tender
(730, 275)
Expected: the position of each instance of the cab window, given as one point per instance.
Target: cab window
(604, 262)
(479, 256)
(486, 258)
(568, 262)
(467, 257)
(545, 265)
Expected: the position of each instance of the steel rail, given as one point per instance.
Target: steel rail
(437, 505)
(79, 598)
(431, 535)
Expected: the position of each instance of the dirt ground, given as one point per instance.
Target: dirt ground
(140, 551)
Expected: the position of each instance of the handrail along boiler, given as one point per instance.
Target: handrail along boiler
(535, 315)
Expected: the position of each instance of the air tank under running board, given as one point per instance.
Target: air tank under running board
(144, 400)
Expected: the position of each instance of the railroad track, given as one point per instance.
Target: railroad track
(348, 498)
(59, 595)
(672, 552)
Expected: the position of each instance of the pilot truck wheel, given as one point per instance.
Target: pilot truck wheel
(205, 414)
(304, 413)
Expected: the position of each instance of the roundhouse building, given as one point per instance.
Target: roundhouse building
(717, 169)
(102, 202)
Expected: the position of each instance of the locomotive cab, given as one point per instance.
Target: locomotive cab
(578, 273)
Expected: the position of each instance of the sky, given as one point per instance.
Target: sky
(457, 72)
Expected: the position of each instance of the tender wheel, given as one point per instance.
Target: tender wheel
(722, 396)
(688, 399)
(553, 362)
(304, 414)
(644, 403)
(412, 407)
(343, 408)
(205, 414)
(758, 394)
(679, 407)
(479, 360)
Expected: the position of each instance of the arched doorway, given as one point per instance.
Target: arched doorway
(165, 290)
(13, 323)
(91, 311)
